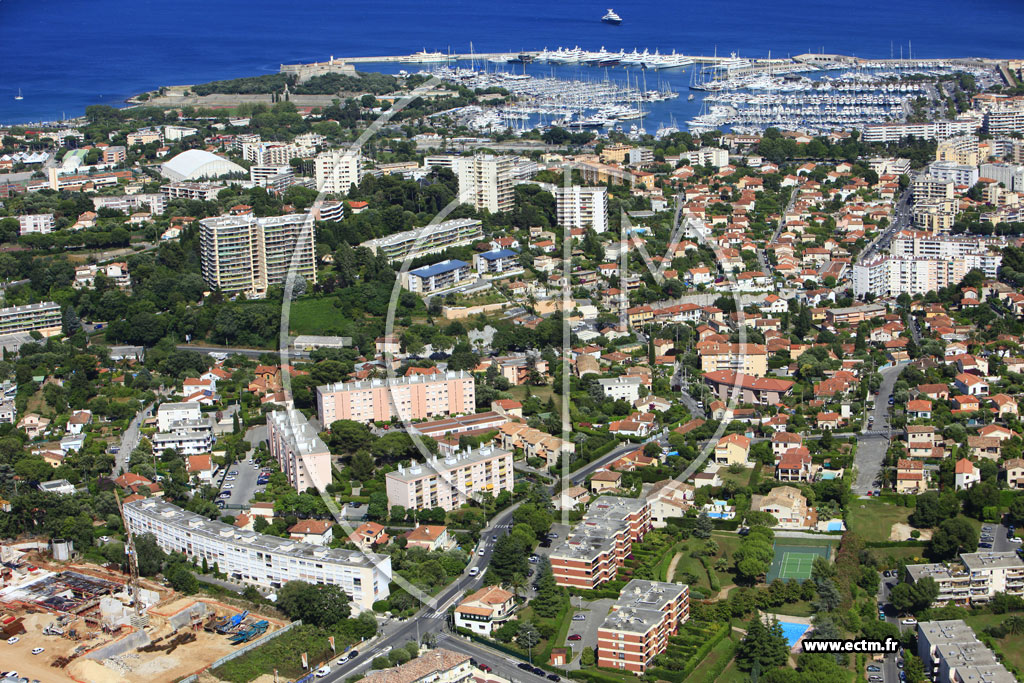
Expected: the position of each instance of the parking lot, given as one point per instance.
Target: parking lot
(242, 485)
(586, 629)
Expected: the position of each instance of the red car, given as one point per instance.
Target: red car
(575, 636)
(484, 667)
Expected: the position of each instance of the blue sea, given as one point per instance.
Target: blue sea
(67, 54)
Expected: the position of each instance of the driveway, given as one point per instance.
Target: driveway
(595, 613)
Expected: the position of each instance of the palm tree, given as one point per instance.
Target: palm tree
(517, 583)
(1015, 624)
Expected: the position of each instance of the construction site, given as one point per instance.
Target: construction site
(98, 625)
(82, 616)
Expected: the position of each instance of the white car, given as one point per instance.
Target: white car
(909, 621)
(38, 650)
(579, 617)
(1014, 539)
(9, 674)
(480, 552)
(473, 571)
(13, 640)
(323, 671)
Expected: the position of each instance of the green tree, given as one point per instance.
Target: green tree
(910, 598)
(510, 557)
(763, 647)
(317, 604)
(704, 526)
(954, 536)
(528, 637)
(150, 556)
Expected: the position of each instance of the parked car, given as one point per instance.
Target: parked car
(554, 677)
(538, 671)
(579, 617)
(484, 667)
(38, 650)
(323, 671)
(872, 667)
(525, 667)
(352, 655)
(575, 636)
(909, 621)
(12, 640)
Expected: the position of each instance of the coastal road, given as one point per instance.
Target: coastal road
(429, 619)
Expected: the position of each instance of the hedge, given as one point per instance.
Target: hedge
(693, 661)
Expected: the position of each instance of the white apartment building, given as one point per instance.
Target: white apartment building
(951, 653)
(959, 174)
(707, 155)
(178, 132)
(44, 317)
(184, 441)
(895, 275)
(429, 239)
(337, 171)
(931, 188)
(274, 153)
(206, 192)
(436, 277)
(36, 223)
(169, 415)
(451, 482)
(251, 254)
(891, 165)
(934, 130)
(1004, 121)
(582, 207)
(976, 578)
(485, 181)
(1010, 175)
(910, 243)
(129, 203)
(272, 175)
(298, 448)
(622, 387)
(259, 559)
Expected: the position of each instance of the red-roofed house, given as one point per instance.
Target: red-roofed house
(315, 531)
(200, 466)
(910, 476)
(428, 537)
(967, 475)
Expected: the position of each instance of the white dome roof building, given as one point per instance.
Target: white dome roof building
(196, 164)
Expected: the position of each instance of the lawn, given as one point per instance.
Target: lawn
(795, 609)
(727, 545)
(898, 554)
(542, 393)
(1011, 647)
(872, 519)
(741, 478)
(723, 651)
(317, 316)
(732, 674)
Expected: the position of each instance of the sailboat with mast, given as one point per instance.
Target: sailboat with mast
(19, 96)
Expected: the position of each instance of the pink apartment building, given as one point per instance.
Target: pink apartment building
(411, 398)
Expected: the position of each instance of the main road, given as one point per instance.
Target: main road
(431, 617)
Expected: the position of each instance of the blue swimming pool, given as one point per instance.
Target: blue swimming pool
(793, 631)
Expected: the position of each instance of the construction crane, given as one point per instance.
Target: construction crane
(140, 620)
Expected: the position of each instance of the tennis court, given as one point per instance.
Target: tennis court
(795, 561)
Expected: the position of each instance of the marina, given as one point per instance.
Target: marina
(606, 91)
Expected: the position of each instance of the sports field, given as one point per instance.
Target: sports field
(795, 561)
